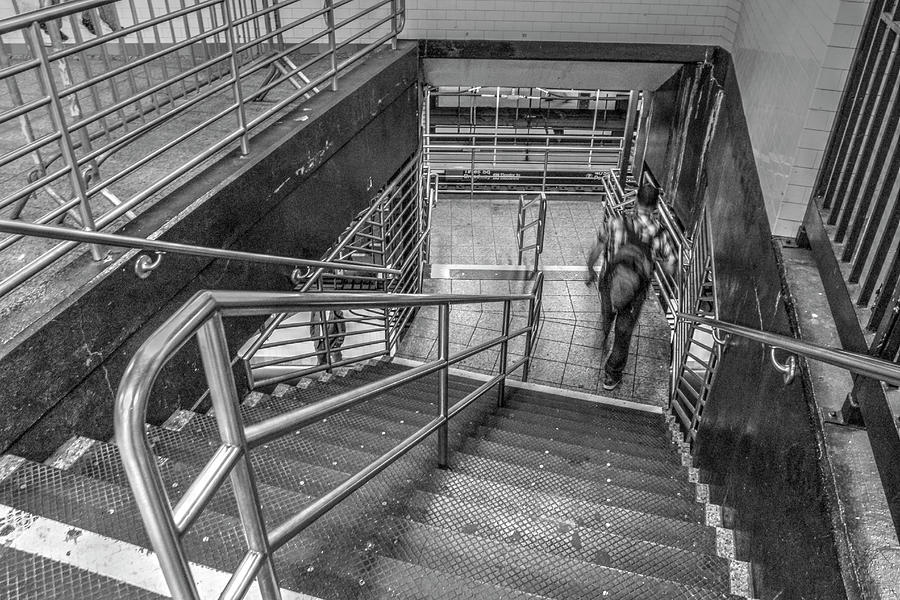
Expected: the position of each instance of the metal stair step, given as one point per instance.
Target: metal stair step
(539, 504)
(568, 539)
(551, 425)
(215, 540)
(499, 563)
(27, 576)
(583, 414)
(598, 440)
(592, 472)
(389, 578)
(559, 401)
(580, 454)
(605, 492)
(102, 462)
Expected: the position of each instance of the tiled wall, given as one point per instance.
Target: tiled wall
(638, 21)
(791, 60)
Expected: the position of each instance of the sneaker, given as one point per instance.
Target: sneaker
(611, 382)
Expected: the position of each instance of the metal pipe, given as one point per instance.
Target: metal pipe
(222, 391)
(443, 384)
(501, 387)
(205, 486)
(272, 428)
(287, 530)
(236, 79)
(332, 42)
(79, 187)
(861, 364)
(122, 241)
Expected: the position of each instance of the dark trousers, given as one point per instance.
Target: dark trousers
(626, 320)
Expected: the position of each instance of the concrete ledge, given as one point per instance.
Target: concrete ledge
(865, 537)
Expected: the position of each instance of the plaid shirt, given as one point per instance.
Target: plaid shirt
(612, 235)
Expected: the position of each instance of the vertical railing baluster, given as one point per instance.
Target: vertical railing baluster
(332, 43)
(223, 393)
(395, 28)
(504, 346)
(57, 114)
(236, 79)
(443, 383)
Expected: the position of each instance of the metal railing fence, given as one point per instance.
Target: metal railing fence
(112, 101)
(391, 234)
(201, 318)
(524, 150)
(538, 224)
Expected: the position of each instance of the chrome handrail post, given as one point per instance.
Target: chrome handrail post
(394, 23)
(332, 43)
(504, 347)
(443, 383)
(57, 114)
(236, 79)
(223, 393)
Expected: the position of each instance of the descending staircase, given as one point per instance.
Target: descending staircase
(547, 497)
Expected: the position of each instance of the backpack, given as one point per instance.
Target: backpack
(629, 270)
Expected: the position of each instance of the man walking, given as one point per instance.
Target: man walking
(626, 247)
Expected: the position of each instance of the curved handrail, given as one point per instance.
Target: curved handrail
(123, 241)
(202, 316)
(861, 364)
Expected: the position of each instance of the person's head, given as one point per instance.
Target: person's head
(647, 198)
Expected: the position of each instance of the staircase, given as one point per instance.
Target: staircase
(547, 497)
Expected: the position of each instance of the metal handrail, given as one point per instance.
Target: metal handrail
(202, 317)
(164, 62)
(123, 241)
(862, 364)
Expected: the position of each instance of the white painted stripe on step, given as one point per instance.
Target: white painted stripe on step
(713, 515)
(725, 546)
(547, 389)
(67, 454)
(740, 578)
(105, 556)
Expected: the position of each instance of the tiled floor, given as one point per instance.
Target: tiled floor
(569, 351)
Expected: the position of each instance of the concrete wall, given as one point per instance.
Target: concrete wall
(792, 60)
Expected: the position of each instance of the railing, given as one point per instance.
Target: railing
(538, 225)
(102, 114)
(857, 184)
(884, 438)
(514, 141)
(390, 235)
(695, 355)
(202, 318)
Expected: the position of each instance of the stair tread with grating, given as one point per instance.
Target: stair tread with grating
(580, 454)
(584, 416)
(569, 540)
(215, 540)
(539, 504)
(560, 401)
(389, 578)
(549, 424)
(337, 450)
(599, 492)
(38, 578)
(592, 472)
(102, 462)
(591, 439)
(499, 563)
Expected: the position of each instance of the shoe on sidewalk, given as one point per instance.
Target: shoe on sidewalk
(611, 382)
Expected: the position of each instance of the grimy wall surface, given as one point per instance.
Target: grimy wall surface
(299, 188)
(758, 442)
